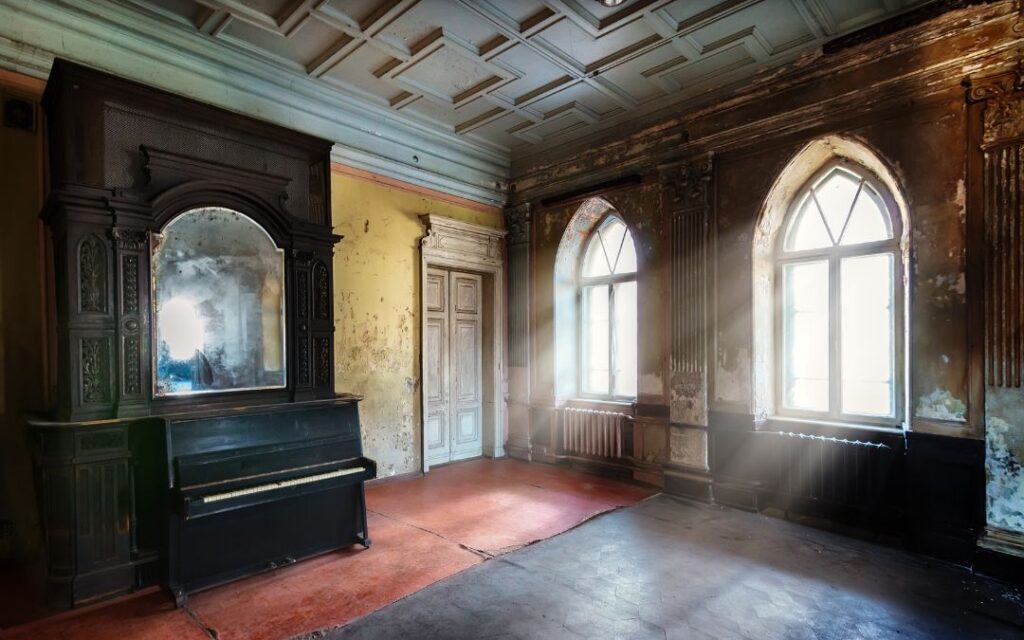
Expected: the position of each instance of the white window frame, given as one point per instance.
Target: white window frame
(834, 256)
(582, 323)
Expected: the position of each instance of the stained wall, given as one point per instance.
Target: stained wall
(901, 96)
(377, 307)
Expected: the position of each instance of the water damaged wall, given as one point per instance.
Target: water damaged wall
(893, 104)
(377, 309)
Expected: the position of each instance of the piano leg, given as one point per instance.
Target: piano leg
(364, 538)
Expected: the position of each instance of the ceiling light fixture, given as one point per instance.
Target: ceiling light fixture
(611, 3)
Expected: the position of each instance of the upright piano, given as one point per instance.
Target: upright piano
(260, 488)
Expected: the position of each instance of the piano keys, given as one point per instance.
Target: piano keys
(262, 487)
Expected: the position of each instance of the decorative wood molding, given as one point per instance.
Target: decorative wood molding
(465, 242)
(92, 270)
(452, 244)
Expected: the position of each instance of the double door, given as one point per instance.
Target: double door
(453, 427)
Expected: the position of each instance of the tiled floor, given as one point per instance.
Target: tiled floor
(667, 569)
(423, 530)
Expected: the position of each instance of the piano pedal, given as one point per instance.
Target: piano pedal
(363, 540)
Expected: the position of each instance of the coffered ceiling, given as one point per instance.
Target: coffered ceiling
(439, 93)
(521, 75)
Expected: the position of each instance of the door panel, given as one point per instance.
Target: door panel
(466, 349)
(466, 359)
(453, 426)
(436, 434)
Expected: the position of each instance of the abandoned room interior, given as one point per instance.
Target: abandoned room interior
(511, 319)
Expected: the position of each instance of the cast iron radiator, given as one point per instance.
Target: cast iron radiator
(834, 476)
(590, 432)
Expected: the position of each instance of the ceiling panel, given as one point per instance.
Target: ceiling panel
(523, 75)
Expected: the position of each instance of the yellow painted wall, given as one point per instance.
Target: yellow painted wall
(377, 309)
(22, 377)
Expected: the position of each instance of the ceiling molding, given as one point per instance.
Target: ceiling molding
(142, 47)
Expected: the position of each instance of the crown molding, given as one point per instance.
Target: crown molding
(151, 49)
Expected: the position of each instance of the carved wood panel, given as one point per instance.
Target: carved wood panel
(92, 275)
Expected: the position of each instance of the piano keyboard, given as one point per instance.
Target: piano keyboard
(227, 495)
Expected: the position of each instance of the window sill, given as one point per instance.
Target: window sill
(789, 423)
(625, 406)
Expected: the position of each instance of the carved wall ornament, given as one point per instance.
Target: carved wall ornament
(130, 283)
(302, 295)
(323, 359)
(92, 274)
(303, 363)
(688, 184)
(130, 239)
(94, 367)
(132, 366)
(517, 221)
(321, 292)
(1004, 119)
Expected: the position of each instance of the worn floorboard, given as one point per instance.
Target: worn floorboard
(668, 569)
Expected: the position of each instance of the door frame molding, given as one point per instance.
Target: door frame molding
(453, 244)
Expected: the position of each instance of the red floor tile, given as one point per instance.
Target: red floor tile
(499, 505)
(420, 529)
(149, 617)
(332, 589)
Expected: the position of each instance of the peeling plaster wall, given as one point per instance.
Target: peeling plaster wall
(1004, 458)
(924, 147)
(377, 310)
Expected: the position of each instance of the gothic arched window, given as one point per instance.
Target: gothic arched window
(608, 313)
(839, 299)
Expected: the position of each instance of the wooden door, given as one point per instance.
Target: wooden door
(453, 426)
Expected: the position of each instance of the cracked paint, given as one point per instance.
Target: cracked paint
(1004, 457)
(377, 326)
(732, 370)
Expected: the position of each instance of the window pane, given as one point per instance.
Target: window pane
(806, 336)
(612, 233)
(625, 339)
(596, 349)
(627, 257)
(867, 223)
(594, 262)
(866, 285)
(835, 196)
(807, 231)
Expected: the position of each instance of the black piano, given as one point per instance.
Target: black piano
(261, 488)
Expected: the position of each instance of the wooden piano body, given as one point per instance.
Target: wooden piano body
(262, 488)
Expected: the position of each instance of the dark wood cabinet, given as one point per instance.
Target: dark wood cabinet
(124, 161)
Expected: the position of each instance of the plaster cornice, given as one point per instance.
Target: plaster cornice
(151, 49)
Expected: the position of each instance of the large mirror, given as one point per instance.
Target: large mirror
(218, 296)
